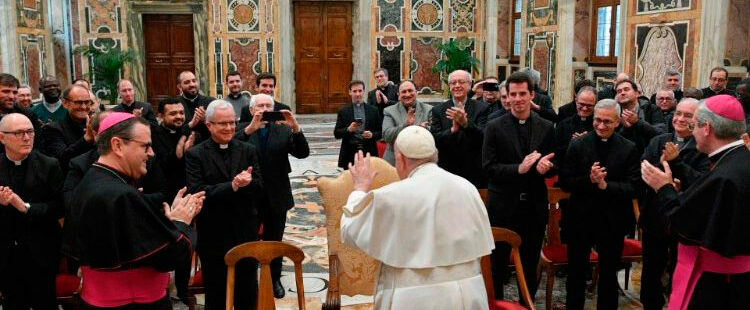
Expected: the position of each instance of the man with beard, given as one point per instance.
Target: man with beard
(385, 93)
(264, 84)
(358, 125)
(710, 218)
(8, 91)
(238, 98)
(576, 126)
(399, 116)
(672, 81)
(458, 127)
(516, 157)
(129, 105)
(30, 206)
(23, 99)
(275, 142)
(638, 121)
(688, 164)
(71, 136)
(601, 173)
(228, 171)
(49, 109)
(718, 83)
(194, 103)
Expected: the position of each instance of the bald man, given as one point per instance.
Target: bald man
(30, 205)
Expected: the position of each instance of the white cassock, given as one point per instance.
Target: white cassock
(429, 232)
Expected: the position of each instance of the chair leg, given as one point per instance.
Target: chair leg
(594, 277)
(627, 277)
(551, 271)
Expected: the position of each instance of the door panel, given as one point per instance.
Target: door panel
(169, 51)
(323, 55)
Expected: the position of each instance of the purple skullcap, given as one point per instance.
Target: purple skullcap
(726, 106)
(114, 118)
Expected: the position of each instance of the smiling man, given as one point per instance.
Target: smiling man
(50, 108)
(358, 125)
(128, 103)
(71, 136)
(407, 112)
(717, 83)
(194, 103)
(385, 93)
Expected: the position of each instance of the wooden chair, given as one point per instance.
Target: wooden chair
(195, 284)
(485, 195)
(512, 239)
(264, 252)
(554, 253)
(67, 287)
(632, 250)
(351, 271)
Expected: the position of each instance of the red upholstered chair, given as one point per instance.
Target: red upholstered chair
(554, 253)
(195, 284)
(512, 239)
(382, 145)
(632, 250)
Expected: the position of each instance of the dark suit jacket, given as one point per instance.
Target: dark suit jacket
(38, 229)
(501, 156)
(228, 218)
(351, 141)
(567, 110)
(245, 115)
(148, 112)
(165, 147)
(64, 140)
(274, 162)
(545, 107)
(459, 153)
(708, 92)
(564, 134)
(611, 207)
(390, 91)
(190, 106)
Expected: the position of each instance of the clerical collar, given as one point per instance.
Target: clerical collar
(233, 96)
(223, 146)
(679, 139)
(169, 130)
(521, 121)
(726, 147)
(583, 119)
(16, 162)
(52, 107)
(189, 99)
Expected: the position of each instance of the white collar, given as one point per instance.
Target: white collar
(223, 146)
(726, 146)
(17, 162)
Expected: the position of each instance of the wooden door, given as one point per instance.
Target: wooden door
(323, 55)
(169, 51)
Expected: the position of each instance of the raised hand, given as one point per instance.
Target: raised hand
(528, 161)
(544, 164)
(362, 173)
(242, 179)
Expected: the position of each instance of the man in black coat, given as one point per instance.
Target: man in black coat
(569, 109)
(672, 81)
(578, 125)
(228, 171)
(639, 119)
(516, 157)
(601, 173)
(274, 142)
(358, 125)
(688, 164)
(458, 127)
(71, 136)
(264, 84)
(718, 84)
(194, 103)
(385, 92)
(30, 205)
(130, 105)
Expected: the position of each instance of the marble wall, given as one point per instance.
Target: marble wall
(34, 43)
(504, 11)
(582, 30)
(738, 34)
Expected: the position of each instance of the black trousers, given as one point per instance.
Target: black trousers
(659, 254)
(721, 291)
(25, 284)
(529, 222)
(608, 244)
(215, 281)
(273, 230)
(182, 277)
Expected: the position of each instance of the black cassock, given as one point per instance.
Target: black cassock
(110, 227)
(30, 242)
(713, 214)
(228, 218)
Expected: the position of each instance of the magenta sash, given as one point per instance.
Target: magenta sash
(692, 261)
(115, 288)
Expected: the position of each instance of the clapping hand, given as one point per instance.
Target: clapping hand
(655, 178)
(242, 179)
(670, 152)
(362, 173)
(598, 175)
(528, 161)
(184, 207)
(198, 116)
(544, 164)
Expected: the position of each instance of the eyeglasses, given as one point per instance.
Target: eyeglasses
(585, 106)
(224, 124)
(697, 124)
(718, 79)
(19, 134)
(145, 145)
(605, 122)
(681, 114)
(80, 102)
(664, 99)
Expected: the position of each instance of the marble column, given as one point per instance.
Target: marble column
(490, 30)
(59, 26)
(9, 48)
(622, 58)
(361, 41)
(565, 40)
(713, 39)
(286, 77)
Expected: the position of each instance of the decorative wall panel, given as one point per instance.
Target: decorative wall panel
(427, 15)
(541, 13)
(659, 48)
(738, 33)
(661, 6)
(604, 79)
(390, 52)
(33, 58)
(582, 30)
(244, 56)
(242, 16)
(423, 57)
(390, 15)
(103, 16)
(60, 61)
(462, 15)
(503, 29)
(218, 67)
(30, 14)
(541, 56)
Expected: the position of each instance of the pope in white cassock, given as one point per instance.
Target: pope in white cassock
(428, 230)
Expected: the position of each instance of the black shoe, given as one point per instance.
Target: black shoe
(278, 289)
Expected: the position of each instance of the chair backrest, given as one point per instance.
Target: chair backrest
(514, 240)
(484, 194)
(357, 271)
(264, 252)
(554, 195)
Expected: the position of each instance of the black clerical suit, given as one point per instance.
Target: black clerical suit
(65, 140)
(602, 217)
(390, 91)
(228, 218)
(659, 249)
(190, 105)
(649, 125)
(708, 92)
(567, 110)
(30, 242)
(517, 201)
(460, 152)
(545, 106)
(678, 94)
(35, 122)
(245, 115)
(351, 142)
(563, 136)
(274, 144)
(147, 112)
(712, 214)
